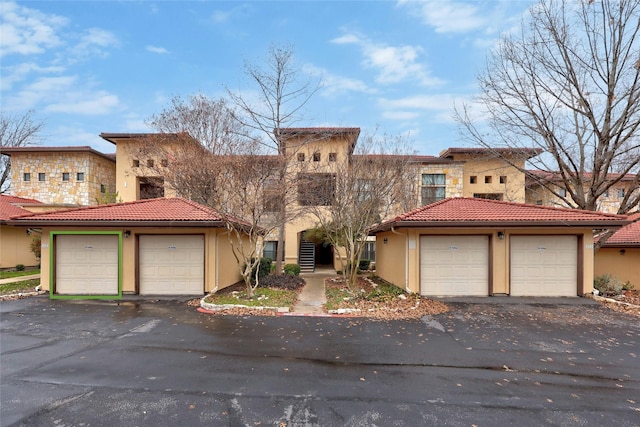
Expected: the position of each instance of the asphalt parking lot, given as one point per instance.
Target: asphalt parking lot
(486, 362)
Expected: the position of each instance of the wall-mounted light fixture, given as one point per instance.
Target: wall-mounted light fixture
(385, 240)
(622, 251)
(127, 233)
(501, 235)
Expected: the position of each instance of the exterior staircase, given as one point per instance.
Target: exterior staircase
(307, 257)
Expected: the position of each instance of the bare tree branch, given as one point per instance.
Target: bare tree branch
(15, 131)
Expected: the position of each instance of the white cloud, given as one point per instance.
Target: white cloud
(400, 115)
(395, 64)
(95, 103)
(333, 84)
(220, 16)
(447, 16)
(20, 72)
(93, 42)
(157, 49)
(26, 31)
(440, 107)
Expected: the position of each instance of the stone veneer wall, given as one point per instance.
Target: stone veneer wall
(97, 171)
(609, 203)
(453, 178)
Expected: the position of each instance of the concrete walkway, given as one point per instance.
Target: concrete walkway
(19, 279)
(312, 297)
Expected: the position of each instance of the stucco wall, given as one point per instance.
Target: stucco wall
(625, 267)
(98, 171)
(14, 247)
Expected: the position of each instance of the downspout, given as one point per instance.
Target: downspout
(406, 259)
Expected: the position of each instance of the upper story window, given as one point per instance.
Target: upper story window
(26, 177)
(42, 176)
(621, 193)
(473, 179)
(80, 176)
(135, 163)
(316, 189)
(333, 157)
(433, 188)
(103, 188)
(150, 163)
(503, 179)
(164, 163)
(562, 192)
(316, 157)
(301, 157)
(487, 179)
(65, 176)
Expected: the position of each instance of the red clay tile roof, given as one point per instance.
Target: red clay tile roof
(161, 212)
(629, 235)
(471, 212)
(10, 206)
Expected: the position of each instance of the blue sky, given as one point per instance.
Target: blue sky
(86, 67)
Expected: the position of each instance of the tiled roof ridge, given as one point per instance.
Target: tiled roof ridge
(20, 199)
(505, 203)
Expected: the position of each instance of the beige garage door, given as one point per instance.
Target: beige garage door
(172, 265)
(454, 265)
(86, 264)
(544, 265)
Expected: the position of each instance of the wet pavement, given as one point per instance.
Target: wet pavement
(154, 363)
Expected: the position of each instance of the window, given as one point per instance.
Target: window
(103, 188)
(539, 202)
(433, 187)
(270, 250)
(605, 194)
(41, 176)
(316, 157)
(316, 189)
(562, 192)
(488, 196)
(149, 163)
(369, 251)
(301, 157)
(487, 179)
(65, 176)
(333, 157)
(26, 177)
(621, 193)
(503, 179)
(151, 187)
(135, 163)
(473, 179)
(164, 163)
(80, 176)
(365, 189)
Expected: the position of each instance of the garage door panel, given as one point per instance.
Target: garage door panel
(171, 265)
(544, 265)
(454, 265)
(86, 264)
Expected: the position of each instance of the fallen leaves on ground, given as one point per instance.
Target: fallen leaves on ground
(629, 297)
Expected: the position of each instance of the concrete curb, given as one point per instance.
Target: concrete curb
(599, 298)
(21, 295)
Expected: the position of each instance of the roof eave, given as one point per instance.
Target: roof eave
(115, 223)
(610, 225)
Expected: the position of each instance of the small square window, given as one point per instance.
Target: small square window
(42, 176)
(164, 163)
(65, 176)
(562, 192)
(149, 163)
(333, 157)
(487, 179)
(80, 176)
(26, 177)
(503, 179)
(473, 179)
(316, 157)
(103, 188)
(135, 163)
(621, 193)
(301, 157)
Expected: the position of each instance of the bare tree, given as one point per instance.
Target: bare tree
(282, 94)
(15, 131)
(568, 83)
(211, 162)
(359, 193)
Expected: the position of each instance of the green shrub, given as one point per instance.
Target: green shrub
(263, 267)
(628, 286)
(20, 267)
(292, 269)
(364, 264)
(607, 285)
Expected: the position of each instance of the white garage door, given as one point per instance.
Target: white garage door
(172, 265)
(86, 264)
(544, 265)
(454, 265)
